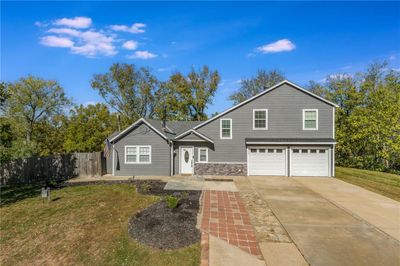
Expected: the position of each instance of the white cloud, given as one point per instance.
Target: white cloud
(88, 43)
(65, 31)
(142, 55)
(41, 24)
(336, 77)
(94, 43)
(130, 45)
(164, 69)
(283, 45)
(90, 103)
(54, 41)
(392, 57)
(135, 28)
(76, 22)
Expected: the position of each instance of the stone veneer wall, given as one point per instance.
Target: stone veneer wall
(232, 169)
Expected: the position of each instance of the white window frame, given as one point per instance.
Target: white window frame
(220, 128)
(137, 147)
(198, 155)
(316, 119)
(266, 119)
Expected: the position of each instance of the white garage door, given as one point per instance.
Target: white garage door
(267, 160)
(309, 161)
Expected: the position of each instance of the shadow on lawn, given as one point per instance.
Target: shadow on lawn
(12, 194)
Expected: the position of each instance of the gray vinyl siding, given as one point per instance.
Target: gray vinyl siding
(194, 144)
(285, 106)
(160, 153)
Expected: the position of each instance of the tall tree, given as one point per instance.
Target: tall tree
(254, 85)
(33, 99)
(185, 97)
(368, 117)
(128, 90)
(88, 127)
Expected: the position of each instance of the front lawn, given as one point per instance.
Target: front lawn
(83, 225)
(382, 183)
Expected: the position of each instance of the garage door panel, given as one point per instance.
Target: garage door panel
(309, 161)
(267, 161)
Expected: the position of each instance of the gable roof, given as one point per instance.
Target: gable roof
(141, 120)
(192, 131)
(168, 132)
(262, 93)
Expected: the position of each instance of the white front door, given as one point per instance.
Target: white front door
(187, 162)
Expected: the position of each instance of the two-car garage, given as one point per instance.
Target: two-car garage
(289, 160)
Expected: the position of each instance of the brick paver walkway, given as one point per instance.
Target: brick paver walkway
(224, 216)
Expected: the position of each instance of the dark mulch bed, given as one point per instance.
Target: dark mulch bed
(161, 227)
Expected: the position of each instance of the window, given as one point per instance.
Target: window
(261, 150)
(137, 154)
(270, 150)
(304, 151)
(321, 151)
(310, 119)
(260, 119)
(295, 151)
(130, 154)
(313, 151)
(226, 128)
(144, 154)
(253, 150)
(203, 155)
(279, 150)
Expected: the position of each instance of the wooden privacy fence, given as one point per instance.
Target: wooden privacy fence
(52, 168)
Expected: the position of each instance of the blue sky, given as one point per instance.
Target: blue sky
(72, 41)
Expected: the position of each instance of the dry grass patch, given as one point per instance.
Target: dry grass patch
(85, 225)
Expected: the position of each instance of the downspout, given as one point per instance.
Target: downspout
(113, 167)
(171, 144)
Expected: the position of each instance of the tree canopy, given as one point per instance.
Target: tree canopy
(256, 84)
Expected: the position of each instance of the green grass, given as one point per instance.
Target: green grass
(383, 183)
(86, 225)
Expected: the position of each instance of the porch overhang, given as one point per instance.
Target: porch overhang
(194, 132)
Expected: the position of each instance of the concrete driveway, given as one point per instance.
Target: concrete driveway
(326, 229)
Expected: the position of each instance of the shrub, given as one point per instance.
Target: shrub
(172, 201)
(145, 187)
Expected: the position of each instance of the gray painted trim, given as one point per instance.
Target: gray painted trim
(262, 93)
(113, 165)
(194, 132)
(136, 123)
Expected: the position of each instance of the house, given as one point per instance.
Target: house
(283, 131)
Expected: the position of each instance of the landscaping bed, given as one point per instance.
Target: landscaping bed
(162, 226)
(86, 225)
